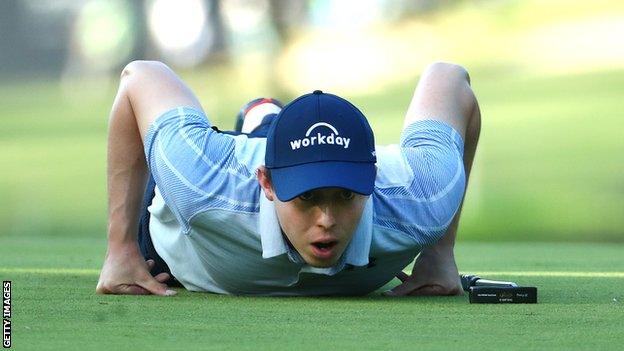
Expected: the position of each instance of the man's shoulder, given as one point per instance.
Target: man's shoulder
(392, 167)
(418, 189)
(249, 151)
(198, 168)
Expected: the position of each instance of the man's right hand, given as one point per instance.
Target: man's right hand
(126, 272)
(146, 90)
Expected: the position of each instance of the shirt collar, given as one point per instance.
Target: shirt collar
(273, 244)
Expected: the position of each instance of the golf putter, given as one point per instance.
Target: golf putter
(494, 291)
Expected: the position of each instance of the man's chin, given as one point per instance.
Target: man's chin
(320, 263)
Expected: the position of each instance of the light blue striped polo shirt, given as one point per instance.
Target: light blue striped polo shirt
(217, 232)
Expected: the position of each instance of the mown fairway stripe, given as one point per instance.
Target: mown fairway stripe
(76, 271)
(86, 271)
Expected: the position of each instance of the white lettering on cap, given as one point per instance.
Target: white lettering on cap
(319, 139)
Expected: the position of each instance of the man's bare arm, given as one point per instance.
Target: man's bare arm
(443, 93)
(146, 90)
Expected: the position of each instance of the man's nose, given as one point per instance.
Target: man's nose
(326, 216)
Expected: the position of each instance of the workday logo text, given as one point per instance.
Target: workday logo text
(320, 139)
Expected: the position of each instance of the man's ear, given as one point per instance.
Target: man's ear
(265, 182)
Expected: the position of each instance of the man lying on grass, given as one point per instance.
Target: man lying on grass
(302, 204)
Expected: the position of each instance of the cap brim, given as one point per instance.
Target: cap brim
(290, 182)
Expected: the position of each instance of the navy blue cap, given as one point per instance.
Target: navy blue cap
(320, 140)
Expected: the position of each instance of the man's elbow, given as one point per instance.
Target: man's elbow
(141, 68)
(136, 76)
(448, 69)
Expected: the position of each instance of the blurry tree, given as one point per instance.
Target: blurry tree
(31, 43)
(218, 50)
(143, 47)
(287, 15)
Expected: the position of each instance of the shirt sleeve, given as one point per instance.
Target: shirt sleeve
(195, 167)
(421, 184)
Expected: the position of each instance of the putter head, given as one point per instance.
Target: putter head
(490, 294)
(494, 291)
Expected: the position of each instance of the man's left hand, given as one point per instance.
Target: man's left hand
(435, 273)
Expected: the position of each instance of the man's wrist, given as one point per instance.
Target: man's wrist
(435, 255)
(121, 238)
(438, 249)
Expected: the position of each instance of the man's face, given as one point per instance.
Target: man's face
(319, 224)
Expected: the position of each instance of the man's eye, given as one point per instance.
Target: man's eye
(347, 195)
(307, 196)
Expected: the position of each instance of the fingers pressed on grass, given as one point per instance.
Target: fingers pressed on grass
(158, 288)
(426, 291)
(401, 290)
(132, 290)
(405, 288)
(101, 290)
(162, 277)
(434, 290)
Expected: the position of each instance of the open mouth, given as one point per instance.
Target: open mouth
(325, 245)
(324, 249)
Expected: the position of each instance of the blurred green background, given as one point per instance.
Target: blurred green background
(549, 76)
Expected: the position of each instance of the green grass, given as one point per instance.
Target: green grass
(580, 306)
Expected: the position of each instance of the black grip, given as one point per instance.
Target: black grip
(468, 280)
